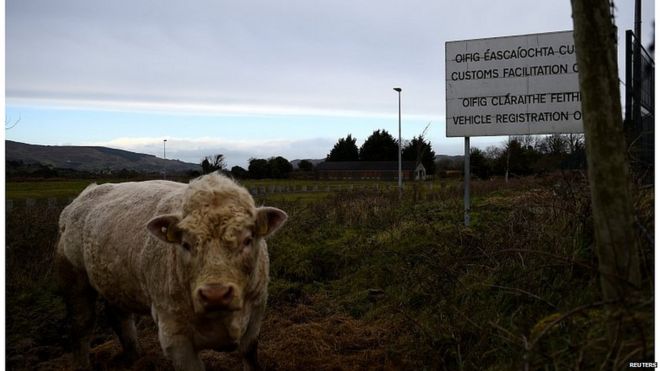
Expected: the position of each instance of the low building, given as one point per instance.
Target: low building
(368, 170)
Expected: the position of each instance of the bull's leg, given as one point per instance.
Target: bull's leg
(123, 323)
(249, 341)
(250, 361)
(80, 299)
(178, 347)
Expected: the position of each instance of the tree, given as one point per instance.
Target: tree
(380, 146)
(238, 172)
(258, 168)
(577, 156)
(516, 159)
(552, 151)
(611, 200)
(554, 145)
(279, 167)
(419, 150)
(344, 150)
(479, 165)
(306, 165)
(213, 163)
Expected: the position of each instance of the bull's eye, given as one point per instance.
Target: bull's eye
(186, 246)
(247, 242)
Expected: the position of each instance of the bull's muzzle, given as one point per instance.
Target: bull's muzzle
(217, 297)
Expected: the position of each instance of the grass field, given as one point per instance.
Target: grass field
(364, 280)
(45, 189)
(71, 188)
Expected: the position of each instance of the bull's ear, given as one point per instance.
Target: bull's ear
(269, 220)
(165, 228)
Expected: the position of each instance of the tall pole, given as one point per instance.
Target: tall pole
(637, 82)
(398, 90)
(164, 157)
(638, 19)
(466, 181)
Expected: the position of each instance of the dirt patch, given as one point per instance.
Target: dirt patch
(292, 338)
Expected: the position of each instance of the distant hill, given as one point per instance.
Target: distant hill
(92, 159)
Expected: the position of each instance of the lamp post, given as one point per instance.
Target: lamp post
(398, 90)
(164, 158)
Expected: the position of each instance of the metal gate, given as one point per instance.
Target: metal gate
(640, 108)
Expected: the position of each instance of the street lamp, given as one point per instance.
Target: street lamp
(164, 158)
(398, 90)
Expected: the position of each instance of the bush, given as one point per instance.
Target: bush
(517, 289)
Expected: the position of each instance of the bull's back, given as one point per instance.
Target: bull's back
(103, 232)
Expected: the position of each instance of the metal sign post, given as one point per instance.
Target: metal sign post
(466, 181)
(513, 85)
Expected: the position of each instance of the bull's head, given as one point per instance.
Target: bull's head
(222, 251)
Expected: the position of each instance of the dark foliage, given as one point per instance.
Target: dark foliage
(380, 146)
(275, 168)
(258, 168)
(344, 150)
(279, 167)
(479, 165)
(420, 150)
(213, 163)
(305, 165)
(522, 156)
(239, 173)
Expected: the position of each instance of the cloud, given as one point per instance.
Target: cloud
(250, 56)
(236, 152)
(116, 104)
(338, 59)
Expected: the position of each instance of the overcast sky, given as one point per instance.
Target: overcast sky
(248, 78)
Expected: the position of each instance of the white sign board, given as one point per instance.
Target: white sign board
(514, 85)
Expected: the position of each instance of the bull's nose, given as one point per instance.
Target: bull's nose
(216, 296)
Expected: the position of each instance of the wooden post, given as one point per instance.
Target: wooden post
(616, 245)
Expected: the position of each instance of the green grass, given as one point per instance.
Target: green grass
(62, 189)
(45, 189)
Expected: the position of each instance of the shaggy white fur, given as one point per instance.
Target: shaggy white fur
(150, 247)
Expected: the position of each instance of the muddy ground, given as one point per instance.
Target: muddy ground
(292, 338)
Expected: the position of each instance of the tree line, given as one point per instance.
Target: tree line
(381, 146)
(518, 156)
(259, 168)
(528, 155)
